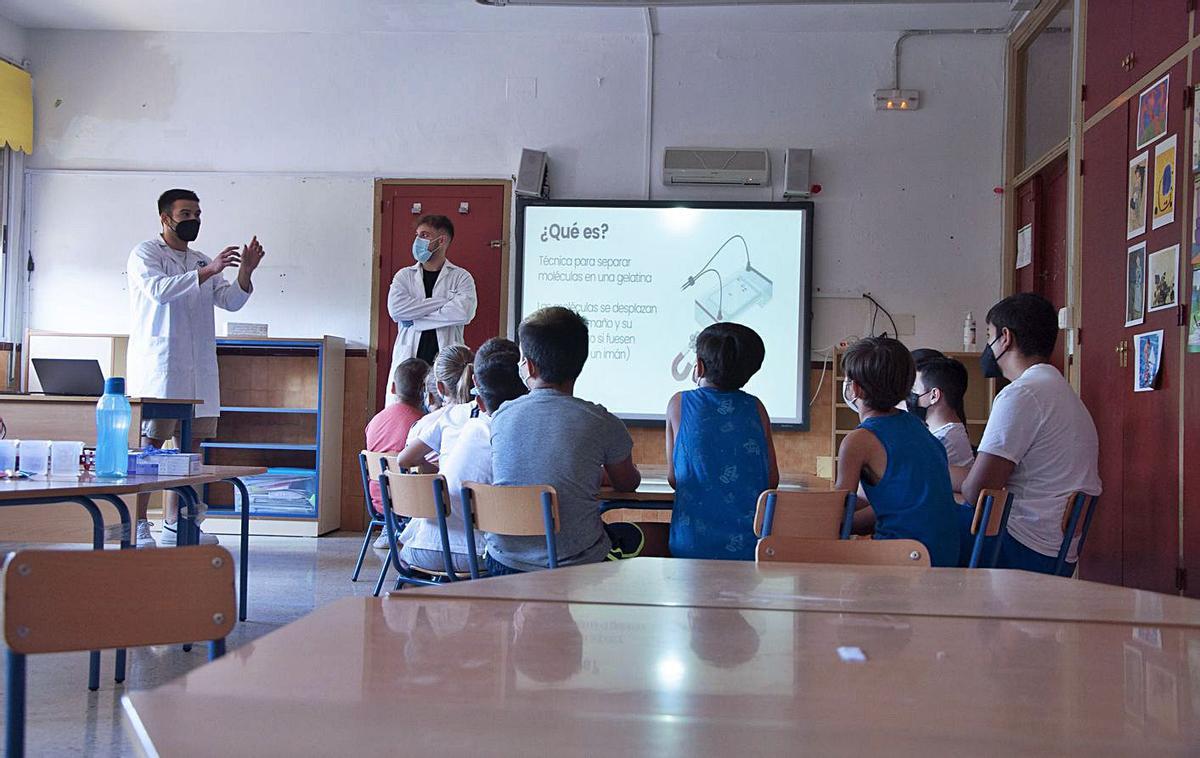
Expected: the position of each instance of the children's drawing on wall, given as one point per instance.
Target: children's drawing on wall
(1193, 343)
(1025, 246)
(1147, 348)
(1135, 285)
(1195, 133)
(1163, 210)
(1138, 181)
(1163, 278)
(1152, 112)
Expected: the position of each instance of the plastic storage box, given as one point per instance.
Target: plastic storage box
(281, 492)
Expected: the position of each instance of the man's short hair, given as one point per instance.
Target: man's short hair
(949, 376)
(410, 380)
(166, 201)
(732, 353)
(441, 223)
(922, 354)
(1032, 321)
(496, 376)
(883, 368)
(555, 339)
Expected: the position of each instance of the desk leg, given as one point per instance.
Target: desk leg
(97, 544)
(185, 433)
(187, 514)
(243, 567)
(126, 544)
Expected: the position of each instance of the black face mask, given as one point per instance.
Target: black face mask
(914, 407)
(188, 230)
(990, 362)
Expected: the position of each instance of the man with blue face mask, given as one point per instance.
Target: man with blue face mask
(432, 300)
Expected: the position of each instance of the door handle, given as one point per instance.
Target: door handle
(497, 244)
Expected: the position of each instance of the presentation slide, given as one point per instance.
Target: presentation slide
(650, 276)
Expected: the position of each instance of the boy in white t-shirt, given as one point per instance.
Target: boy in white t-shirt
(937, 399)
(1040, 440)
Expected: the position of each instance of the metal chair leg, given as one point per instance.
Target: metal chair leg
(216, 649)
(14, 741)
(119, 675)
(362, 554)
(382, 574)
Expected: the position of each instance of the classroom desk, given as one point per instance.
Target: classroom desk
(423, 675)
(67, 417)
(977, 593)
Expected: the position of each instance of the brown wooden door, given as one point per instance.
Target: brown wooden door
(479, 247)
(1042, 202)
(1158, 28)
(1191, 401)
(1102, 330)
(1109, 41)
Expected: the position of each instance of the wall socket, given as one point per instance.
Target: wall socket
(906, 324)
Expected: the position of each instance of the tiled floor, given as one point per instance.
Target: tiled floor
(289, 577)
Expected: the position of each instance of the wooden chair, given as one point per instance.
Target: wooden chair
(989, 521)
(370, 467)
(409, 496)
(1079, 505)
(511, 511)
(858, 552)
(73, 600)
(827, 515)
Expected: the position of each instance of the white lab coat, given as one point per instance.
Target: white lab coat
(450, 309)
(172, 336)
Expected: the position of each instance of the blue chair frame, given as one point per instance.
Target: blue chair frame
(1080, 501)
(374, 519)
(847, 516)
(392, 529)
(547, 503)
(981, 535)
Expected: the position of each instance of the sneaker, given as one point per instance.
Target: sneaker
(381, 542)
(144, 538)
(170, 538)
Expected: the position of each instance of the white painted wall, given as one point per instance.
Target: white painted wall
(12, 40)
(908, 210)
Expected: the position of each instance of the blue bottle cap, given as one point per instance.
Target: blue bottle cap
(114, 386)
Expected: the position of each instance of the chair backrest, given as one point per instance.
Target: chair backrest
(1077, 518)
(859, 552)
(803, 514)
(62, 600)
(995, 515)
(371, 465)
(413, 495)
(513, 511)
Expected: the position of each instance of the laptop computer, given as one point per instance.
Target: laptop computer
(70, 376)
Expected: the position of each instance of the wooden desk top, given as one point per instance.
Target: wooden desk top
(24, 398)
(58, 485)
(505, 678)
(975, 593)
(654, 487)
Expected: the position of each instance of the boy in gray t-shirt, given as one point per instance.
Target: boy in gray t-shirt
(550, 437)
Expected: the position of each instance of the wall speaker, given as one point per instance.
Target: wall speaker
(533, 177)
(797, 179)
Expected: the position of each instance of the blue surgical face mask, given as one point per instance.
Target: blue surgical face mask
(420, 250)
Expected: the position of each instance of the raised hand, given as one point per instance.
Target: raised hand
(252, 255)
(227, 258)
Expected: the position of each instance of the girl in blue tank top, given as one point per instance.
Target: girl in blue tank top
(720, 455)
(901, 466)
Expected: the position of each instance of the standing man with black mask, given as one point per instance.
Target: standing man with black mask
(172, 335)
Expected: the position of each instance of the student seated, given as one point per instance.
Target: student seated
(937, 399)
(466, 456)
(388, 430)
(720, 455)
(552, 437)
(1039, 442)
(902, 468)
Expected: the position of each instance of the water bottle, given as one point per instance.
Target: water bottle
(113, 417)
(969, 332)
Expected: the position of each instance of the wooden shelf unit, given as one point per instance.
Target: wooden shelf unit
(281, 406)
(977, 402)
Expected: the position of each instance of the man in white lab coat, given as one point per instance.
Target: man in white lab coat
(172, 337)
(432, 300)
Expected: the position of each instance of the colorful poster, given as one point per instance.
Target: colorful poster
(1196, 223)
(1147, 355)
(1152, 112)
(1195, 133)
(1025, 246)
(1163, 210)
(1139, 170)
(1193, 343)
(1135, 285)
(1163, 278)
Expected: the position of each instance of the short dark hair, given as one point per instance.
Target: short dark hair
(732, 353)
(555, 339)
(442, 223)
(949, 376)
(496, 377)
(883, 368)
(922, 354)
(410, 380)
(1032, 321)
(166, 201)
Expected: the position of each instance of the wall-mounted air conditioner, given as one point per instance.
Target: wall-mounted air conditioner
(716, 165)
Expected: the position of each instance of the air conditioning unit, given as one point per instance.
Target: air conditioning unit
(716, 165)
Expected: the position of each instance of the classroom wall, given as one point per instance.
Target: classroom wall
(907, 210)
(12, 41)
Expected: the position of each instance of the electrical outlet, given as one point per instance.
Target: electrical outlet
(906, 324)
